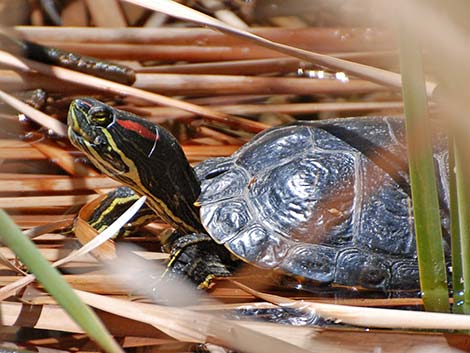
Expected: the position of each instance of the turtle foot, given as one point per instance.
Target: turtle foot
(198, 258)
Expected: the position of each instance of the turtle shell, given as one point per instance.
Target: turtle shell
(326, 201)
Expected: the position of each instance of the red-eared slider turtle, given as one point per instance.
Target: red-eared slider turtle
(327, 201)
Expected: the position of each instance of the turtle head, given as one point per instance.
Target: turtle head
(141, 155)
(94, 129)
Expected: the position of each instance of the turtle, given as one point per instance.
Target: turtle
(324, 201)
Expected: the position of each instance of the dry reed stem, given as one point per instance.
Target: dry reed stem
(74, 14)
(114, 17)
(63, 159)
(232, 67)
(34, 114)
(96, 283)
(367, 72)
(188, 53)
(21, 153)
(22, 150)
(209, 55)
(371, 317)
(51, 254)
(52, 316)
(25, 176)
(8, 116)
(54, 183)
(250, 304)
(219, 136)
(176, 84)
(47, 228)
(236, 98)
(54, 254)
(233, 299)
(314, 38)
(16, 202)
(31, 221)
(286, 108)
(230, 18)
(11, 265)
(263, 66)
(13, 81)
(190, 326)
(108, 86)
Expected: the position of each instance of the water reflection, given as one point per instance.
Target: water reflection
(323, 75)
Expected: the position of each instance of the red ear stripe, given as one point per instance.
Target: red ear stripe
(86, 103)
(136, 127)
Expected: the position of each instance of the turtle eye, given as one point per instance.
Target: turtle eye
(101, 116)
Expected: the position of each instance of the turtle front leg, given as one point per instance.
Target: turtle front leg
(198, 258)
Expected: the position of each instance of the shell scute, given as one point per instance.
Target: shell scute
(386, 219)
(225, 219)
(313, 262)
(273, 148)
(405, 274)
(310, 198)
(222, 186)
(258, 245)
(358, 267)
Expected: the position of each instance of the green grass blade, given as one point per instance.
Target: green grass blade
(463, 196)
(431, 260)
(53, 282)
(457, 275)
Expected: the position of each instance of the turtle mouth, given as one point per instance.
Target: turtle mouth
(76, 139)
(79, 130)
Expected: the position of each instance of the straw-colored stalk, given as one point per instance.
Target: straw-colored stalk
(371, 317)
(264, 66)
(285, 108)
(176, 84)
(21, 149)
(237, 84)
(325, 340)
(317, 38)
(210, 55)
(54, 183)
